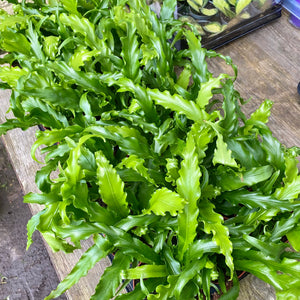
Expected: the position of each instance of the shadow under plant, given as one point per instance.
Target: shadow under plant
(23, 274)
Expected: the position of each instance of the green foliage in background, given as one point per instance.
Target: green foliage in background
(155, 159)
(212, 17)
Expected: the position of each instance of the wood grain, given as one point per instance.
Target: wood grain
(268, 61)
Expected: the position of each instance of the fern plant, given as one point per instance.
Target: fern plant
(156, 160)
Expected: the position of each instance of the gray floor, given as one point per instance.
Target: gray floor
(23, 274)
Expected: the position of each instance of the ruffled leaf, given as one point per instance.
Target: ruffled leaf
(222, 154)
(164, 200)
(145, 271)
(111, 278)
(213, 223)
(111, 187)
(188, 187)
(86, 262)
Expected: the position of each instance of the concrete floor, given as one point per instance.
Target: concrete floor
(23, 274)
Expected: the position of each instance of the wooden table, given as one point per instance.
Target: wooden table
(268, 61)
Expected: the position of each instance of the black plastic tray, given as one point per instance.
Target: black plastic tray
(243, 28)
(240, 29)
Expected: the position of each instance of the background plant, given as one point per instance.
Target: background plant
(213, 17)
(156, 159)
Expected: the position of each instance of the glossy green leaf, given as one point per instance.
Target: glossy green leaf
(12, 74)
(290, 294)
(188, 187)
(273, 149)
(71, 6)
(76, 232)
(11, 41)
(290, 191)
(81, 56)
(178, 104)
(193, 5)
(172, 170)
(86, 262)
(86, 80)
(137, 164)
(128, 139)
(291, 170)
(55, 243)
(142, 96)
(223, 6)
(11, 21)
(177, 283)
(184, 78)
(145, 271)
(133, 221)
(262, 113)
(82, 26)
(213, 223)
(240, 5)
(205, 93)
(111, 278)
(50, 117)
(33, 37)
(222, 154)
(167, 10)
(13, 123)
(282, 275)
(130, 245)
(42, 177)
(86, 108)
(50, 46)
(164, 292)
(203, 135)
(57, 95)
(247, 152)
(190, 271)
(74, 189)
(130, 53)
(198, 58)
(294, 238)
(51, 137)
(164, 200)
(138, 292)
(200, 247)
(230, 106)
(173, 266)
(284, 226)
(41, 198)
(256, 199)
(230, 180)
(32, 226)
(111, 187)
(269, 248)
